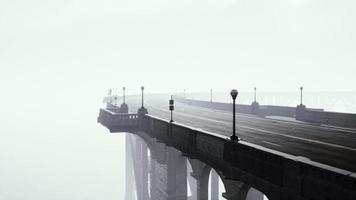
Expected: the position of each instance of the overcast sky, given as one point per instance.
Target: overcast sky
(59, 57)
(83, 45)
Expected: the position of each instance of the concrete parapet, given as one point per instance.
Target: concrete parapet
(254, 108)
(284, 111)
(118, 121)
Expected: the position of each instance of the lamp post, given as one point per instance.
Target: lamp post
(110, 95)
(234, 94)
(123, 94)
(211, 95)
(184, 94)
(142, 88)
(255, 91)
(301, 95)
(171, 108)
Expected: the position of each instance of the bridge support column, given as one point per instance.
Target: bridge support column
(193, 188)
(153, 176)
(235, 190)
(168, 173)
(201, 174)
(144, 162)
(177, 175)
(214, 188)
(129, 186)
(140, 160)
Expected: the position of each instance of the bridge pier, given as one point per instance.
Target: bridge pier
(168, 173)
(141, 169)
(129, 186)
(153, 177)
(235, 190)
(177, 175)
(193, 188)
(201, 173)
(214, 188)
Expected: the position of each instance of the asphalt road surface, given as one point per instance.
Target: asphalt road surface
(329, 145)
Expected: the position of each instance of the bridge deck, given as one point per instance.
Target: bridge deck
(329, 145)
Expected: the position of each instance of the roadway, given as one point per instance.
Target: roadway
(333, 146)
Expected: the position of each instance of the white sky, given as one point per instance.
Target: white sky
(58, 58)
(67, 46)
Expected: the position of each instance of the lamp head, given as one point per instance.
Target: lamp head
(234, 93)
(142, 88)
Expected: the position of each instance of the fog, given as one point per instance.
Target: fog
(70, 47)
(58, 58)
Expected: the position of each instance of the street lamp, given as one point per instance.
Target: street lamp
(142, 88)
(301, 95)
(123, 95)
(171, 108)
(211, 95)
(234, 94)
(255, 94)
(110, 95)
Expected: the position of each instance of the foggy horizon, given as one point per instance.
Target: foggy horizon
(59, 58)
(167, 45)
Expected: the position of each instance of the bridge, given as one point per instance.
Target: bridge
(282, 159)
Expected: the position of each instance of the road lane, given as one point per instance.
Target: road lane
(332, 146)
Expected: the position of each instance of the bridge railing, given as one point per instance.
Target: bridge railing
(330, 118)
(118, 120)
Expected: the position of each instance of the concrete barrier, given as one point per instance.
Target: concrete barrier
(329, 118)
(300, 112)
(241, 108)
(254, 108)
(284, 111)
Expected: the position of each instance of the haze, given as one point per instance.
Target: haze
(58, 58)
(170, 45)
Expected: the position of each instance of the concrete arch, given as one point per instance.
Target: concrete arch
(200, 172)
(254, 194)
(235, 190)
(167, 170)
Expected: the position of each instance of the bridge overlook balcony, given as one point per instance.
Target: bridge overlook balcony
(118, 121)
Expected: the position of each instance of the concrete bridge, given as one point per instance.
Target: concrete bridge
(240, 165)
